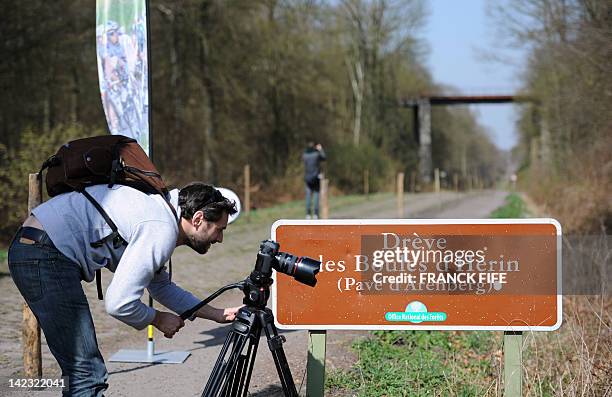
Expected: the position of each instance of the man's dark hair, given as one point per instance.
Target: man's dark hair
(198, 196)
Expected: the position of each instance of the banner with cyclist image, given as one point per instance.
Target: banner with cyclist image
(121, 46)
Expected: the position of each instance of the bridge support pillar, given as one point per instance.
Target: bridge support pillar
(424, 131)
(545, 143)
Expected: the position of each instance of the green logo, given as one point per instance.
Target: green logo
(416, 312)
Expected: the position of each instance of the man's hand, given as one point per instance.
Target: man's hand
(219, 315)
(167, 323)
(228, 314)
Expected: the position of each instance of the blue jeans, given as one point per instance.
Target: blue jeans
(51, 286)
(315, 197)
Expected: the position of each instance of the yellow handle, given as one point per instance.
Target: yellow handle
(150, 332)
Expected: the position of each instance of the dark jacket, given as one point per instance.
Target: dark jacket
(312, 158)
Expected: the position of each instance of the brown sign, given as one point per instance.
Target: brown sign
(423, 274)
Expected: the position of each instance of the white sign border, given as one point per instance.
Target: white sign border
(513, 328)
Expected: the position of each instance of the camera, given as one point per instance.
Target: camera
(302, 268)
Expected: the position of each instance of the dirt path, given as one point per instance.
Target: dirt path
(226, 263)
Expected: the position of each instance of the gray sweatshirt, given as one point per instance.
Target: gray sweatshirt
(149, 227)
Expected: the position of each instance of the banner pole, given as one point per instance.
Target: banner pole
(113, 19)
(151, 151)
(150, 139)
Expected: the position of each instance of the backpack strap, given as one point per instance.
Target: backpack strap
(166, 197)
(50, 162)
(99, 284)
(116, 238)
(116, 166)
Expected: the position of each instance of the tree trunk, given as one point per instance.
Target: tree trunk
(357, 83)
(74, 97)
(208, 111)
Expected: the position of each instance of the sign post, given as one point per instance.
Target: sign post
(315, 366)
(513, 364)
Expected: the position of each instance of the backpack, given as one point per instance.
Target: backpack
(106, 159)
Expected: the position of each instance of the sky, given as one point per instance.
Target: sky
(459, 33)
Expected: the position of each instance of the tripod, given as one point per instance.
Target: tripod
(232, 372)
(234, 366)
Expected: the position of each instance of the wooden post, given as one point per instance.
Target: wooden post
(315, 365)
(317, 340)
(366, 182)
(324, 198)
(513, 364)
(437, 180)
(247, 190)
(456, 181)
(400, 195)
(32, 359)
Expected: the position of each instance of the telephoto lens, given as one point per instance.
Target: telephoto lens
(303, 268)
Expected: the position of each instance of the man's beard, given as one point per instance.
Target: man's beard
(200, 247)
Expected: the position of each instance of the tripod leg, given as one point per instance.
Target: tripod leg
(219, 371)
(228, 376)
(240, 374)
(246, 364)
(275, 343)
(233, 378)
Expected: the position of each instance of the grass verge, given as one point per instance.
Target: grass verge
(514, 207)
(3, 262)
(421, 363)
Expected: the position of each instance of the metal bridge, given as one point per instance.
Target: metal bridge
(422, 116)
